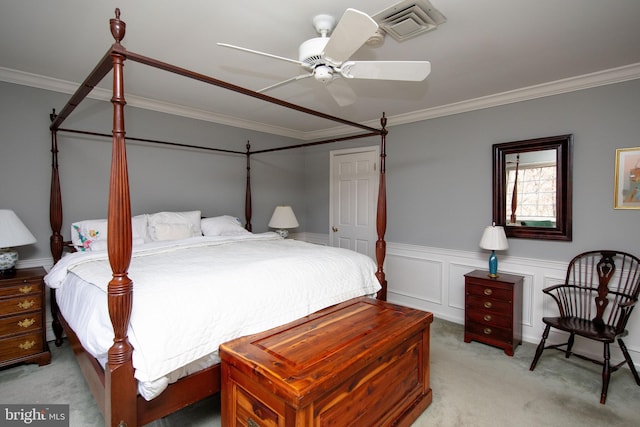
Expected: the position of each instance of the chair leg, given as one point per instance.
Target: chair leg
(572, 338)
(606, 374)
(540, 348)
(627, 357)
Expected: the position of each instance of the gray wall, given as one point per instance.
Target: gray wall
(161, 178)
(439, 172)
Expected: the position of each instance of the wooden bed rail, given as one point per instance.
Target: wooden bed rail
(121, 406)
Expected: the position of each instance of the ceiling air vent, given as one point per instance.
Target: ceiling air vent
(409, 18)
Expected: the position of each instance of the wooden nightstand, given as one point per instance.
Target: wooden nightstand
(22, 318)
(493, 309)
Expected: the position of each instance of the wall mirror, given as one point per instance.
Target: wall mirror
(532, 187)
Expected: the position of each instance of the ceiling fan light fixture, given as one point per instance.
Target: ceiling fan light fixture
(323, 74)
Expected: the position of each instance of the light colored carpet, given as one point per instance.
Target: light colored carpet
(473, 385)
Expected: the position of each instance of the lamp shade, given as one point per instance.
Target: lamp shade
(12, 231)
(283, 217)
(494, 238)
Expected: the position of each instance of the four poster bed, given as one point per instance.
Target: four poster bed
(114, 379)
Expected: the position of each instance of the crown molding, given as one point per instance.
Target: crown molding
(572, 84)
(586, 81)
(63, 86)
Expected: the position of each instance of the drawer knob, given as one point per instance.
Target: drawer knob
(26, 304)
(487, 331)
(488, 291)
(26, 289)
(27, 345)
(487, 318)
(487, 304)
(26, 322)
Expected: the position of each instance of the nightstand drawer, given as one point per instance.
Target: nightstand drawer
(21, 345)
(489, 304)
(22, 304)
(27, 287)
(496, 333)
(22, 317)
(20, 323)
(489, 292)
(489, 318)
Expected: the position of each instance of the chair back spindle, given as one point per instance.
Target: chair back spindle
(602, 286)
(595, 302)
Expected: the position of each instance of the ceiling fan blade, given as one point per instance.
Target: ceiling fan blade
(353, 30)
(341, 92)
(386, 70)
(292, 79)
(257, 52)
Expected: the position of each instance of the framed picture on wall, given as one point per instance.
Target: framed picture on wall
(627, 184)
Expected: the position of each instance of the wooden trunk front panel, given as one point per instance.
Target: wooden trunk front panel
(362, 362)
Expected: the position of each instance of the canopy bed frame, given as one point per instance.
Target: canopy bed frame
(114, 386)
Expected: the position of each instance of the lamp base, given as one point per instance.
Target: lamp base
(283, 233)
(8, 273)
(493, 275)
(493, 265)
(8, 259)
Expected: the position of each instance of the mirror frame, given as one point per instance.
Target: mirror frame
(563, 144)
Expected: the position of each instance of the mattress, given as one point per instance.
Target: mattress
(191, 295)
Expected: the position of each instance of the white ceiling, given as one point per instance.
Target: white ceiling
(489, 52)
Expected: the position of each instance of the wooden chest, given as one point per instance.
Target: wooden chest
(493, 309)
(22, 318)
(363, 362)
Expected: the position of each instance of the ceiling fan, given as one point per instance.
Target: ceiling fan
(326, 58)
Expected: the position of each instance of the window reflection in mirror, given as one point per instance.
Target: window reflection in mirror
(532, 187)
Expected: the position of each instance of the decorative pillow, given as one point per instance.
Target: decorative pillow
(165, 231)
(225, 225)
(85, 233)
(191, 218)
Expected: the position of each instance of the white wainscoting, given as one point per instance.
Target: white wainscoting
(432, 279)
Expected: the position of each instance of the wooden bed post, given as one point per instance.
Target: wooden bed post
(120, 396)
(55, 220)
(381, 216)
(247, 196)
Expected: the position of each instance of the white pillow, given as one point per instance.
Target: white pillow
(191, 218)
(85, 233)
(225, 225)
(101, 245)
(165, 231)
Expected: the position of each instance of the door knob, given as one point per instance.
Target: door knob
(335, 229)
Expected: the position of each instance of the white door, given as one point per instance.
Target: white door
(353, 198)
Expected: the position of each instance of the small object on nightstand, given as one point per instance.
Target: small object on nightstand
(494, 239)
(283, 218)
(12, 233)
(493, 310)
(22, 318)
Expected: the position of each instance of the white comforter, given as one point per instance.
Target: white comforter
(192, 295)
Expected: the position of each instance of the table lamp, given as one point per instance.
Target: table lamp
(12, 233)
(494, 239)
(283, 218)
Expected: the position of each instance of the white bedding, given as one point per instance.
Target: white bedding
(236, 286)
